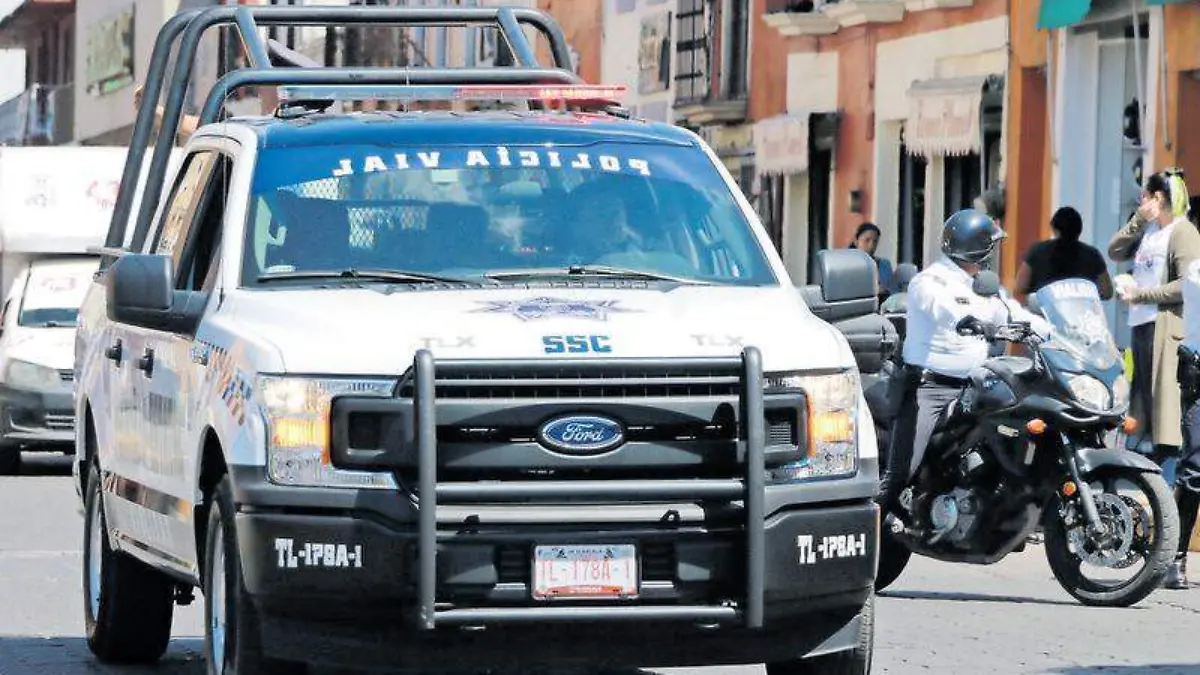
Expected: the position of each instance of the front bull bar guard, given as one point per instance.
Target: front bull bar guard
(750, 488)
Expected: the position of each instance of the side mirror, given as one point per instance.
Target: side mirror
(986, 284)
(846, 297)
(847, 285)
(904, 274)
(141, 292)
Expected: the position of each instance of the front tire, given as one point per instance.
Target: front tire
(1157, 553)
(127, 606)
(232, 635)
(10, 459)
(893, 559)
(856, 661)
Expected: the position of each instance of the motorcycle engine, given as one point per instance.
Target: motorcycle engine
(952, 515)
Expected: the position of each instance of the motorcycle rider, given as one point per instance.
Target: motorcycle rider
(938, 359)
(1187, 471)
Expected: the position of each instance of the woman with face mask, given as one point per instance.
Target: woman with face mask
(1161, 243)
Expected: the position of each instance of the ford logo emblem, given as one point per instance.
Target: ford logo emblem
(582, 435)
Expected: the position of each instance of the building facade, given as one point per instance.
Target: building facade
(42, 113)
(890, 111)
(1102, 93)
(687, 62)
(114, 42)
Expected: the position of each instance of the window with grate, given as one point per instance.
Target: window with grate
(737, 66)
(691, 51)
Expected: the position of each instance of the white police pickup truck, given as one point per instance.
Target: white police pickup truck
(473, 388)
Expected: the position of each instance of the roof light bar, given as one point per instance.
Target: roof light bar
(578, 94)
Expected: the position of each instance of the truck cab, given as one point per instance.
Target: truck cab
(430, 387)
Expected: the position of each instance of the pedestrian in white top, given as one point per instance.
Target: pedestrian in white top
(937, 358)
(1161, 243)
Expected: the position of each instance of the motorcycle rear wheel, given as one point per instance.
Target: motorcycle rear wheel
(1159, 552)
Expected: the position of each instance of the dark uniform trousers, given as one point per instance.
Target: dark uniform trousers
(926, 397)
(1187, 472)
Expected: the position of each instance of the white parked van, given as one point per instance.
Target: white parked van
(37, 333)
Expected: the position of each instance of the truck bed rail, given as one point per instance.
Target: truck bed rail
(188, 26)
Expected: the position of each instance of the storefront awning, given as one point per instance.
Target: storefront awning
(944, 116)
(781, 145)
(1063, 13)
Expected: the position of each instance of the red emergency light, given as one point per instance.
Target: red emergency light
(558, 93)
(561, 94)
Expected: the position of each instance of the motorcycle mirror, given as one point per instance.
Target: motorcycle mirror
(986, 284)
(904, 274)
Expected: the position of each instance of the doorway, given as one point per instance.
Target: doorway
(820, 172)
(910, 243)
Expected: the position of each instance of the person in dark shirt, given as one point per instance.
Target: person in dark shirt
(866, 239)
(1063, 257)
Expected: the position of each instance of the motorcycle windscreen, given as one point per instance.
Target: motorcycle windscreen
(1080, 326)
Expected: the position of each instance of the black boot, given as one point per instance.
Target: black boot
(1188, 503)
(1176, 579)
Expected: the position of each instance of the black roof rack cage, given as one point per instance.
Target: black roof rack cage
(187, 27)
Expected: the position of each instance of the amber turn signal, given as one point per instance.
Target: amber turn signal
(1069, 489)
(1036, 427)
(1130, 425)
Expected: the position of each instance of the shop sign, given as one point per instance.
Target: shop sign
(781, 145)
(109, 49)
(944, 117)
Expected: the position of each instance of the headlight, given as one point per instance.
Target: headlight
(832, 443)
(31, 376)
(1090, 391)
(297, 412)
(1120, 392)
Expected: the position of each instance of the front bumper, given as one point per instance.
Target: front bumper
(33, 418)
(340, 584)
(730, 569)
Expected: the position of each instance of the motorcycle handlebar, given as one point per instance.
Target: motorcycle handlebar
(1020, 332)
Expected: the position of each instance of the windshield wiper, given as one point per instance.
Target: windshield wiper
(394, 276)
(589, 270)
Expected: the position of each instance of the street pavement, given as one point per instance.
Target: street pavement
(1010, 618)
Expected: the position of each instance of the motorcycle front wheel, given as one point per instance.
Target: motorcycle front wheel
(893, 558)
(1141, 533)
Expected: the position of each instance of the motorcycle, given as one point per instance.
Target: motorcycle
(1023, 445)
(877, 387)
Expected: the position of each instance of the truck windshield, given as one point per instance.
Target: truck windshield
(649, 211)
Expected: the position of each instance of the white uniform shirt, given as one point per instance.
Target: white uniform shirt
(1191, 307)
(938, 298)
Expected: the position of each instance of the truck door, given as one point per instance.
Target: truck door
(152, 509)
(174, 397)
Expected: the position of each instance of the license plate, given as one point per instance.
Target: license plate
(584, 572)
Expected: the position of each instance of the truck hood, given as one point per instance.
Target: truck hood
(369, 331)
(50, 347)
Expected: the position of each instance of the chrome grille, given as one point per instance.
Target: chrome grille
(579, 381)
(60, 422)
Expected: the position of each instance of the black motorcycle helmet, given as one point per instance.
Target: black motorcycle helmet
(970, 236)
